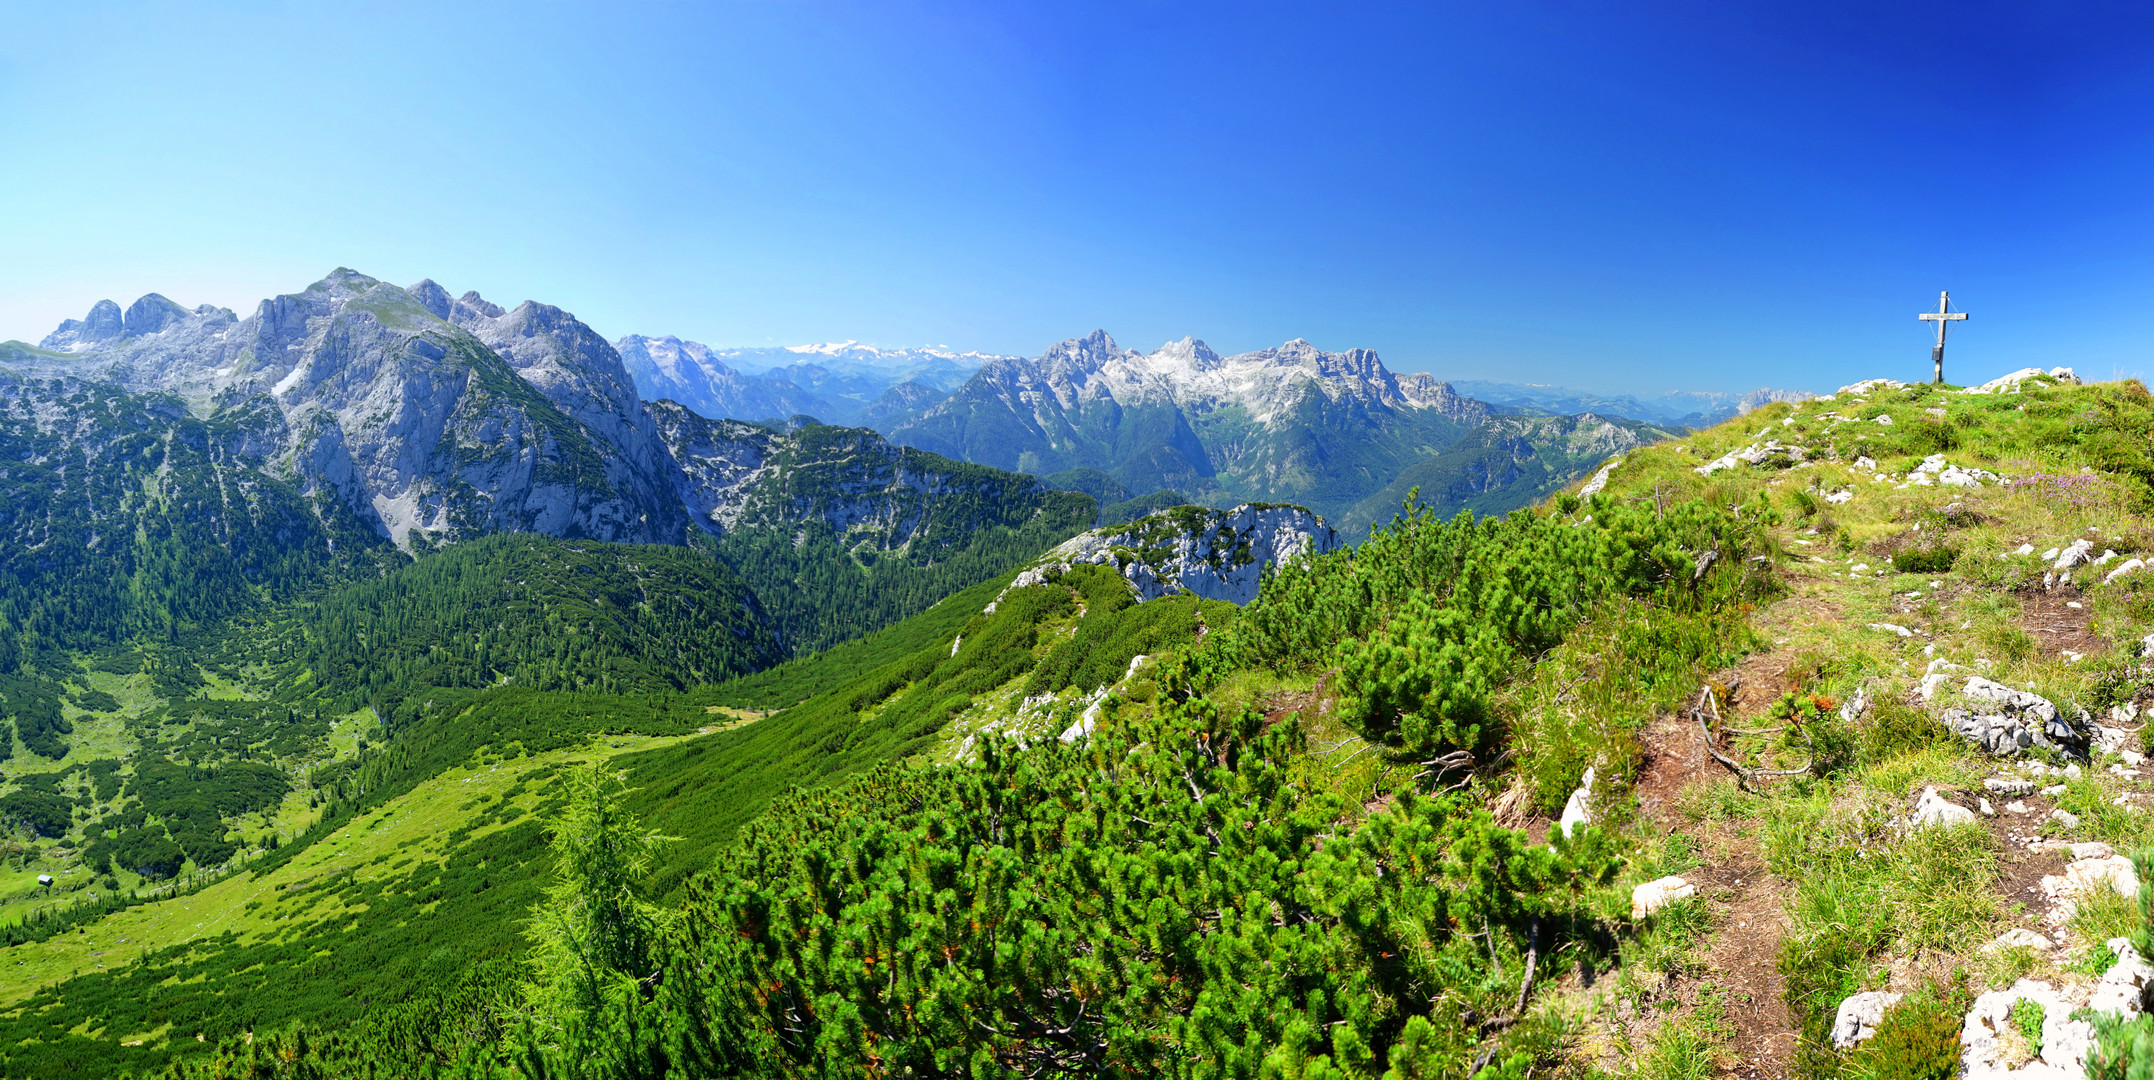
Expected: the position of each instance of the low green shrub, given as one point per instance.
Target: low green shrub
(1926, 560)
(1919, 1038)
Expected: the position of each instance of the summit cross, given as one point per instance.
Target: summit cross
(1943, 316)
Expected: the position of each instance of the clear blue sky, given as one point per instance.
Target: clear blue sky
(1619, 196)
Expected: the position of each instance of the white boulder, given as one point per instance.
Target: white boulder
(2078, 552)
(1935, 809)
(1578, 812)
(2123, 988)
(1657, 894)
(2065, 1041)
(1859, 1016)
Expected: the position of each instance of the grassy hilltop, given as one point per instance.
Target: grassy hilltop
(1310, 837)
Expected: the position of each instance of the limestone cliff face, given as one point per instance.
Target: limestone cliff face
(1215, 554)
(435, 418)
(416, 423)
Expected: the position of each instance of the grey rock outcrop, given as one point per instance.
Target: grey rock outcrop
(1859, 1015)
(1215, 554)
(1771, 453)
(2009, 722)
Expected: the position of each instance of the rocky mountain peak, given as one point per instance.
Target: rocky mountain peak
(1188, 353)
(1087, 354)
(478, 305)
(432, 297)
(103, 324)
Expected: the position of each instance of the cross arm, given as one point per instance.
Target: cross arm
(1932, 316)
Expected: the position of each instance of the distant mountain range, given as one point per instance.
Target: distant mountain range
(841, 383)
(1682, 408)
(1288, 424)
(428, 418)
(358, 414)
(1338, 432)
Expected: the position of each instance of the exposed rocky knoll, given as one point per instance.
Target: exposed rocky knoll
(1292, 422)
(435, 418)
(1215, 554)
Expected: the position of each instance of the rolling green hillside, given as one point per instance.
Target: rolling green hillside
(1045, 642)
(1042, 828)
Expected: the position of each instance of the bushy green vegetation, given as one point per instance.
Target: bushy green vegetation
(1919, 1038)
(801, 678)
(1131, 509)
(537, 613)
(1176, 891)
(1426, 620)
(702, 791)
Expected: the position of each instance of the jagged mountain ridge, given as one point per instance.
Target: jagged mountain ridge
(395, 400)
(1291, 423)
(1336, 431)
(432, 419)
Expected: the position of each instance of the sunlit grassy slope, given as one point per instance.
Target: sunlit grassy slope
(1866, 577)
(240, 950)
(1886, 579)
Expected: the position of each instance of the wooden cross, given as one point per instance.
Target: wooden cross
(1942, 316)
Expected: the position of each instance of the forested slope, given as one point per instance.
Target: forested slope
(1045, 829)
(536, 613)
(1176, 792)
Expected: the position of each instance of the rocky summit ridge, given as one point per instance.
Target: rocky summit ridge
(1291, 423)
(435, 417)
